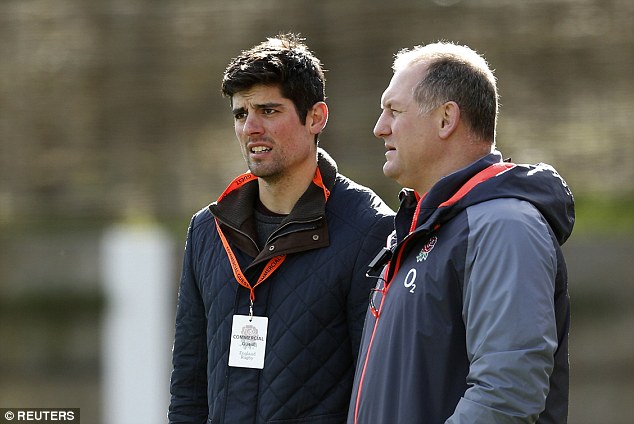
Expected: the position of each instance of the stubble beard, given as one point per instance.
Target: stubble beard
(270, 173)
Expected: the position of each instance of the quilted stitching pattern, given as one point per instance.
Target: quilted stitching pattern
(308, 343)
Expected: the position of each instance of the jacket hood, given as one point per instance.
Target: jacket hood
(491, 178)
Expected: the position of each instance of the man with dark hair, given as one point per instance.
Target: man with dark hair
(273, 291)
(469, 320)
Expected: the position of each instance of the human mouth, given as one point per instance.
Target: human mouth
(260, 149)
(389, 149)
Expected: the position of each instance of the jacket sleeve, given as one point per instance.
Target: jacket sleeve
(509, 314)
(359, 296)
(188, 386)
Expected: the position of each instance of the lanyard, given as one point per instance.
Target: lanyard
(274, 263)
(419, 198)
(246, 177)
(271, 266)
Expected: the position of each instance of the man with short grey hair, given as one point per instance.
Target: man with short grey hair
(468, 322)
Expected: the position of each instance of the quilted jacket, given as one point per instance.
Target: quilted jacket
(315, 302)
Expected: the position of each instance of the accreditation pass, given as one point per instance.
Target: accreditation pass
(248, 341)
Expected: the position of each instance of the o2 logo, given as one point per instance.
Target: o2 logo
(409, 280)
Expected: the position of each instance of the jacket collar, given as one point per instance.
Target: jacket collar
(439, 193)
(485, 179)
(235, 215)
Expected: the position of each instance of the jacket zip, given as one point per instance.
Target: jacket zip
(275, 235)
(487, 173)
(376, 323)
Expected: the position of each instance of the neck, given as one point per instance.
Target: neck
(461, 156)
(281, 195)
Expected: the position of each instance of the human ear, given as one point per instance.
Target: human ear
(317, 117)
(449, 119)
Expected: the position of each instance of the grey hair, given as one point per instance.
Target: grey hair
(455, 73)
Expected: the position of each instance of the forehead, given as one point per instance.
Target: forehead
(402, 84)
(259, 94)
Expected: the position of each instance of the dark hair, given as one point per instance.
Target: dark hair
(282, 61)
(456, 73)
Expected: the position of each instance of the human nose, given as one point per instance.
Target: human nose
(381, 128)
(252, 125)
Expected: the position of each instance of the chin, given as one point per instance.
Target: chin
(389, 172)
(266, 174)
(259, 170)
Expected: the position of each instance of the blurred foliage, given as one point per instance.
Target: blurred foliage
(111, 109)
(47, 332)
(604, 216)
(56, 305)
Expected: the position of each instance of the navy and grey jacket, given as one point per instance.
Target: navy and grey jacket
(315, 302)
(472, 326)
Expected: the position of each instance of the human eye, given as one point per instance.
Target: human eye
(239, 111)
(270, 108)
(391, 110)
(268, 111)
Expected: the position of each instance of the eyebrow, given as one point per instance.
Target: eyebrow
(389, 104)
(269, 105)
(392, 103)
(386, 101)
